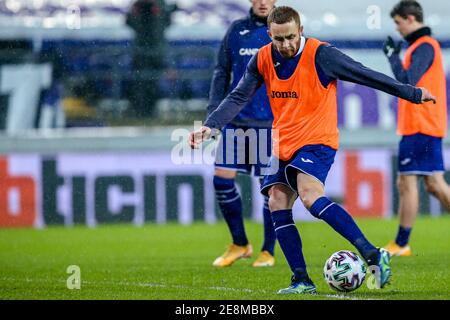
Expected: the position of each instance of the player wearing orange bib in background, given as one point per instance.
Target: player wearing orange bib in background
(300, 75)
(422, 128)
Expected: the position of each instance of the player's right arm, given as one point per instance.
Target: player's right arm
(221, 78)
(230, 107)
(421, 60)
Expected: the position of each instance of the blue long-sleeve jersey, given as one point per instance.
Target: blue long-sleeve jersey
(331, 64)
(241, 42)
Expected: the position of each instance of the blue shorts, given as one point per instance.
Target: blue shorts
(420, 154)
(247, 150)
(314, 160)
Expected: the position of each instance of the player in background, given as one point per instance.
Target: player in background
(242, 40)
(300, 75)
(421, 127)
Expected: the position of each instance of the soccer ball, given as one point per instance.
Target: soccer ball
(344, 271)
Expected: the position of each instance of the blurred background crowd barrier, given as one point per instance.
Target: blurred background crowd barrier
(91, 91)
(147, 62)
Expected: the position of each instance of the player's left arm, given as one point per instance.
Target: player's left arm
(337, 65)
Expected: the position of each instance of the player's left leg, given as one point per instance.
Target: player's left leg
(438, 187)
(266, 257)
(419, 155)
(311, 193)
(258, 158)
(306, 172)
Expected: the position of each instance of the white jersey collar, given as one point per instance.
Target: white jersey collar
(302, 45)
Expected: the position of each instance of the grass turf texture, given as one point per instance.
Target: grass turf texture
(174, 262)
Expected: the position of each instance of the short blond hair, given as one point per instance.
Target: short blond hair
(283, 14)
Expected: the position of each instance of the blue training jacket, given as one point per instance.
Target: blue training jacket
(241, 42)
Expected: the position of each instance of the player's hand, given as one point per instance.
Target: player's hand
(391, 47)
(427, 96)
(198, 136)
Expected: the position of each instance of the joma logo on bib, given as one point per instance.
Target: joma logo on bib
(284, 94)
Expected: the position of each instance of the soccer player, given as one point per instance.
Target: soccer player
(422, 128)
(241, 42)
(300, 76)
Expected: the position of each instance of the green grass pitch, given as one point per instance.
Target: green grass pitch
(173, 262)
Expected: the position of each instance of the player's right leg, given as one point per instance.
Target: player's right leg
(228, 155)
(281, 200)
(408, 208)
(230, 204)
